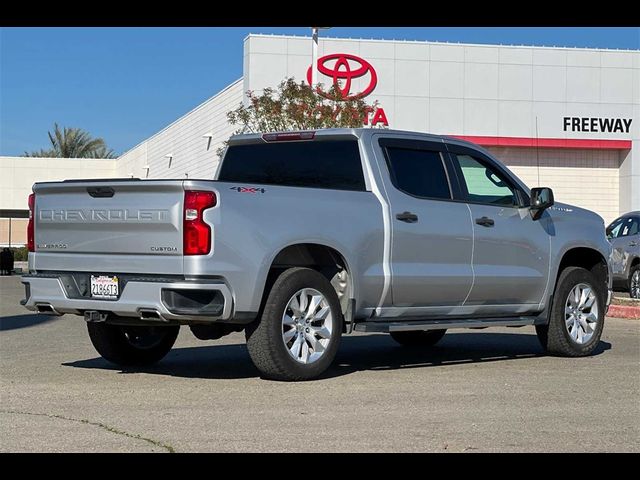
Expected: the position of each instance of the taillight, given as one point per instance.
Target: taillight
(31, 239)
(197, 234)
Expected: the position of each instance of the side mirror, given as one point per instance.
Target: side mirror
(541, 199)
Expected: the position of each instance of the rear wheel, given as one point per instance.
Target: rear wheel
(298, 334)
(129, 345)
(576, 318)
(418, 338)
(634, 281)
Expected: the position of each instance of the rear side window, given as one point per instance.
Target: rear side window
(420, 173)
(333, 164)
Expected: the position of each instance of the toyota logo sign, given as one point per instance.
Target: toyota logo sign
(346, 67)
(342, 69)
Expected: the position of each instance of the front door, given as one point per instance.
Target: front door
(431, 234)
(511, 250)
(624, 236)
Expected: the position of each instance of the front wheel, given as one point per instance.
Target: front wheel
(576, 318)
(298, 334)
(418, 338)
(132, 345)
(634, 282)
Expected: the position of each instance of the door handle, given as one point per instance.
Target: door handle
(407, 217)
(485, 221)
(633, 243)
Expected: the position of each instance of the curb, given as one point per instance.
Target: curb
(622, 311)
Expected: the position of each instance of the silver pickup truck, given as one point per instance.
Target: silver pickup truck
(305, 236)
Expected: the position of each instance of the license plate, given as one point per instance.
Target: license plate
(105, 287)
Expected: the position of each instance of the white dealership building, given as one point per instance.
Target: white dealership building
(567, 118)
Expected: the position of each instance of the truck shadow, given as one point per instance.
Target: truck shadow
(357, 353)
(453, 349)
(14, 322)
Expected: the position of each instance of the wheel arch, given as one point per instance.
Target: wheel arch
(589, 259)
(325, 259)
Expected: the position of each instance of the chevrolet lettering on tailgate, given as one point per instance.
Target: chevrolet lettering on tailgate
(102, 215)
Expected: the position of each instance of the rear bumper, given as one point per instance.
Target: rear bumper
(180, 301)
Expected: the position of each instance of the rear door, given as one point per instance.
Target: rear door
(431, 234)
(109, 226)
(511, 250)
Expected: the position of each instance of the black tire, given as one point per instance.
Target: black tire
(634, 269)
(132, 346)
(264, 336)
(418, 338)
(555, 337)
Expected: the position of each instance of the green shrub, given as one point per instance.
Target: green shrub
(20, 254)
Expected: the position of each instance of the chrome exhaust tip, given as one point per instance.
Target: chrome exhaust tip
(47, 309)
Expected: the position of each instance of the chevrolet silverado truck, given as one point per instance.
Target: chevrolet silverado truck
(302, 237)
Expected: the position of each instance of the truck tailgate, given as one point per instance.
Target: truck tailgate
(109, 226)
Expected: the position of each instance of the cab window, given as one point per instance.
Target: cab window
(484, 184)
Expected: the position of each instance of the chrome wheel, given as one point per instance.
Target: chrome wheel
(634, 291)
(581, 313)
(307, 325)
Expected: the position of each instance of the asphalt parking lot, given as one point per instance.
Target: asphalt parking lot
(478, 390)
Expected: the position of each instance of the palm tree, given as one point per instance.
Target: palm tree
(73, 143)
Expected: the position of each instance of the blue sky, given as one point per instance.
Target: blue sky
(124, 84)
